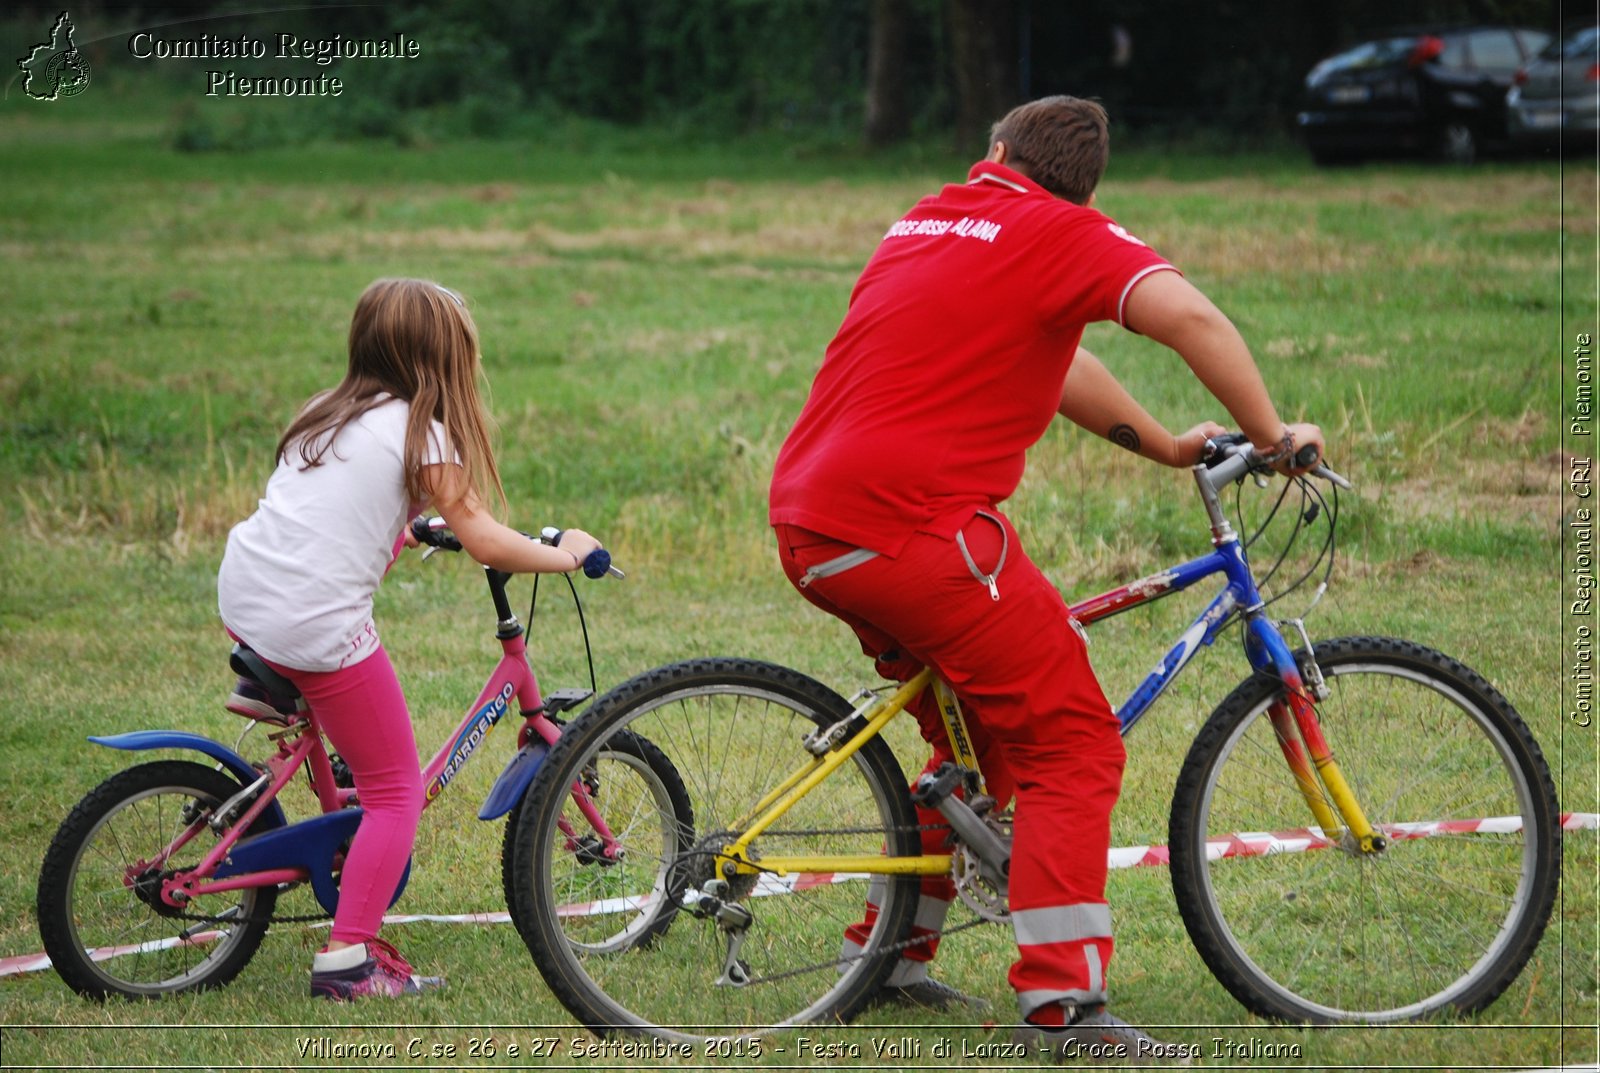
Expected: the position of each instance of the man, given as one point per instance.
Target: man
(961, 344)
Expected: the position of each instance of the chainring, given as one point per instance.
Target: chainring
(977, 891)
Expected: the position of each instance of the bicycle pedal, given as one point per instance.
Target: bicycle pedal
(342, 776)
(565, 699)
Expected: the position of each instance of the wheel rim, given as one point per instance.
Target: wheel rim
(1401, 934)
(614, 903)
(793, 948)
(128, 945)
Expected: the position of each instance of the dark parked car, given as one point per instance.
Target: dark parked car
(1440, 93)
(1558, 95)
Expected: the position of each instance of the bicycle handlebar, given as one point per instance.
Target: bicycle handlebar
(596, 565)
(1229, 458)
(435, 533)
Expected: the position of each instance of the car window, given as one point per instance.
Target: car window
(1577, 46)
(1534, 43)
(1494, 51)
(1455, 53)
(1370, 54)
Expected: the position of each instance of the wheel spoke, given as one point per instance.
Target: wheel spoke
(729, 731)
(86, 905)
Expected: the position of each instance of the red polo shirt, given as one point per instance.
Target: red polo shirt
(950, 361)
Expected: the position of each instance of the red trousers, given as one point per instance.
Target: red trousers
(1042, 729)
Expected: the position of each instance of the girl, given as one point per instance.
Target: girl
(405, 428)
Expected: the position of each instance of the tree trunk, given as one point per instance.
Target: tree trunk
(888, 103)
(983, 53)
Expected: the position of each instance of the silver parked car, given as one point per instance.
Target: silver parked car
(1558, 95)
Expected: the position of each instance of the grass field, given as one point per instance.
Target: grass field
(651, 315)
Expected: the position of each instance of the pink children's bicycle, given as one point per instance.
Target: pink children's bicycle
(165, 877)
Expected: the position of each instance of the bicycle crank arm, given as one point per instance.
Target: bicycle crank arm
(936, 790)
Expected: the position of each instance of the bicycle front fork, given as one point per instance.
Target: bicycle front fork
(1331, 800)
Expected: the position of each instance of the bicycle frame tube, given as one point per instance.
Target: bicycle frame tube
(1266, 650)
(797, 785)
(283, 767)
(1227, 558)
(512, 677)
(955, 729)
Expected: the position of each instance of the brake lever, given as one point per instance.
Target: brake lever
(1321, 470)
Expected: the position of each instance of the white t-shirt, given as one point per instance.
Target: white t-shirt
(298, 575)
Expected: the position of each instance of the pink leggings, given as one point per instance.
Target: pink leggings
(363, 713)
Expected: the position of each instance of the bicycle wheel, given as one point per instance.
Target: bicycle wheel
(733, 730)
(101, 916)
(647, 808)
(1443, 917)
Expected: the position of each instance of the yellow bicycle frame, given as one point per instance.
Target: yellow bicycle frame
(735, 858)
(770, 808)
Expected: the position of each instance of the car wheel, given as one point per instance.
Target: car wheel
(1457, 143)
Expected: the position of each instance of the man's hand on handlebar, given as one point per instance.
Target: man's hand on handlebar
(1190, 446)
(1299, 453)
(1300, 450)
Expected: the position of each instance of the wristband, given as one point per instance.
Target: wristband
(1284, 448)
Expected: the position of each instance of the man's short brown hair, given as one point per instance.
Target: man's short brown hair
(1061, 143)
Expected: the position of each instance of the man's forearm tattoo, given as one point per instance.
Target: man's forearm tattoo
(1124, 436)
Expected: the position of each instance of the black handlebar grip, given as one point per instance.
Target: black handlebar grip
(598, 562)
(1307, 456)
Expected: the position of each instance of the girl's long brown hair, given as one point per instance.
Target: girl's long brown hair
(416, 341)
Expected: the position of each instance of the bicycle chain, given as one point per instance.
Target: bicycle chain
(893, 948)
(213, 919)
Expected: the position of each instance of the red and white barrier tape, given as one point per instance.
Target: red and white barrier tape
(1249, 844)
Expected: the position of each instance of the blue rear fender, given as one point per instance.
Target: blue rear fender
(237, 766)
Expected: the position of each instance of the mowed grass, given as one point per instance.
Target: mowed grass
(651, 316)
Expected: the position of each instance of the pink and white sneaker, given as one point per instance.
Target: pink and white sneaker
(377, 969)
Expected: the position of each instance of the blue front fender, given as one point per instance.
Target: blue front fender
(238, 766)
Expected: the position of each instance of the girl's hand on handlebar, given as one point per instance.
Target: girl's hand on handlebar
(579, 545)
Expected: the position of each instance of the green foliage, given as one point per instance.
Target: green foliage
(720, 67)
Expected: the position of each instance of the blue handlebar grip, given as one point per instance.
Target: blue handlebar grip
(598, 562)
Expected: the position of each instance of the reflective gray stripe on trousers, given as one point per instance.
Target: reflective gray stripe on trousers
(1065, 924)
(1062, 923)
(1095, 995)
